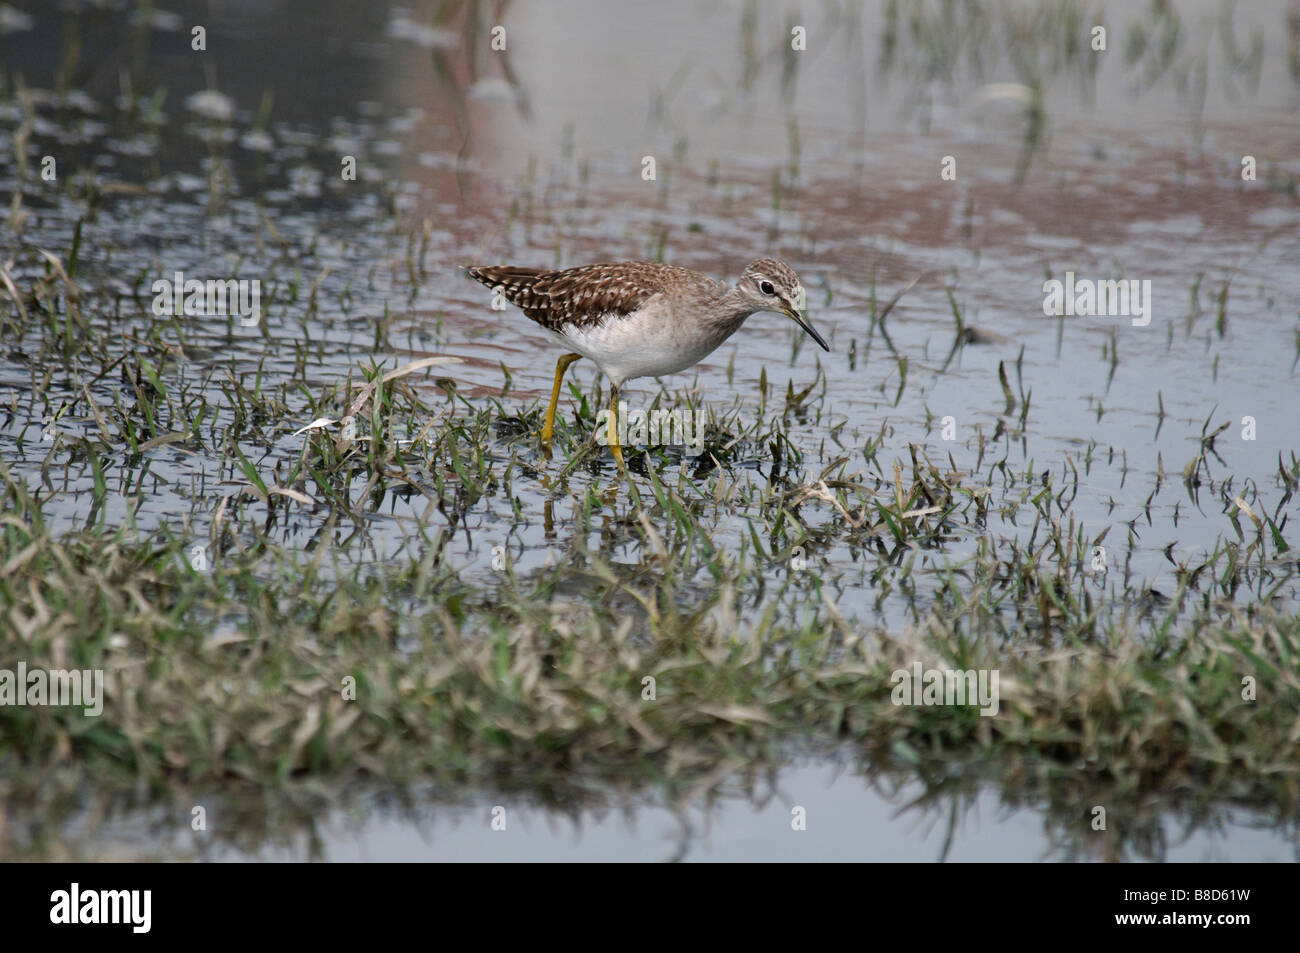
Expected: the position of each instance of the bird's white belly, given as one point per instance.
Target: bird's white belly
(626, 348)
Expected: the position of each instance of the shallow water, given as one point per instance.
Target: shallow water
(829, 158)
(807, 811)
(843, 820)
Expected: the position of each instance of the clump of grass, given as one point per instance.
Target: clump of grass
(270, 667)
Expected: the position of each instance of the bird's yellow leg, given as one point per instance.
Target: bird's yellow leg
(561, 366)
(613, 427)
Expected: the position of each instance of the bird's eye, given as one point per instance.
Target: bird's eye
(766, 288)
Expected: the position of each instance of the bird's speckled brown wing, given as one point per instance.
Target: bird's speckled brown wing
(584, 296)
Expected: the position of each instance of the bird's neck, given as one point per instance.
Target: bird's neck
(731, 311)
(735, 307)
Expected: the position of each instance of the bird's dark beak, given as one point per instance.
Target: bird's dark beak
(801, 319)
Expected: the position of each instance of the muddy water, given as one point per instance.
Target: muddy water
(1122, 164)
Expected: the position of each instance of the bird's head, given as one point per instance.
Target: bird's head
(772, 285)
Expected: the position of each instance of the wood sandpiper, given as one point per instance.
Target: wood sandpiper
(642, 318)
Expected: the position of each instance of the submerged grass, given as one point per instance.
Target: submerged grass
(268, 639)
(273, 666)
